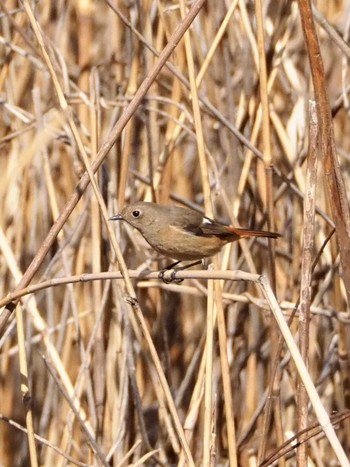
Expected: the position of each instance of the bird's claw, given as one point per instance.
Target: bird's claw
(172, 277)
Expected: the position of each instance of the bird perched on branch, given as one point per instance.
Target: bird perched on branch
(182, 233)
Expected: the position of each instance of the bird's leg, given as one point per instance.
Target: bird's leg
(172, 265)
(187, 266)
(174, 271)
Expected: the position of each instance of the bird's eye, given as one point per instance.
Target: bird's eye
(136, 213)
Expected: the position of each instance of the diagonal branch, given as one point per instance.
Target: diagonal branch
(102, 154)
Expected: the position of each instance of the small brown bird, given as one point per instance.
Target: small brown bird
(182, 233)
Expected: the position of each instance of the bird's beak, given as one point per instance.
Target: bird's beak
(117, 217)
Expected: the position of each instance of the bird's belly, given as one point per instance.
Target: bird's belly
(190, 247)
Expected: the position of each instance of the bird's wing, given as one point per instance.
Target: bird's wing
(206, 227)
(211, 227)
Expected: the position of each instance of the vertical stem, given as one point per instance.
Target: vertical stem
(25, 386)
(306, 273)
(225, 370)
(207, 436)
(266, 137)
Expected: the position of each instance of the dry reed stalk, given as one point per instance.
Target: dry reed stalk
(225, 371)
(265, 186)
(208, 434)
(306, 273)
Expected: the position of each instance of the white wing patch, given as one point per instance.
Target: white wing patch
(207, 221)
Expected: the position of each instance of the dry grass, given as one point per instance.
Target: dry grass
(188, 373)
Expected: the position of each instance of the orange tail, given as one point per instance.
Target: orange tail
(252, 233)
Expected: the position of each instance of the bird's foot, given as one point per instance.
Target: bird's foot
(172, 277)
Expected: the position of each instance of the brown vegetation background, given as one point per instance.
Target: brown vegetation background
(83, 345)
